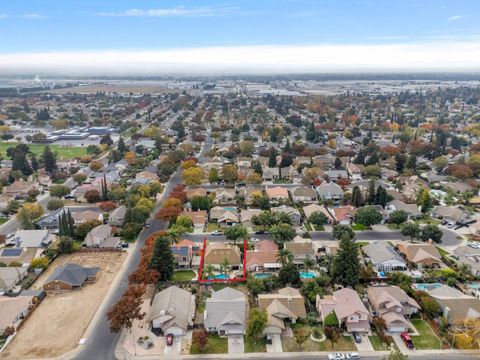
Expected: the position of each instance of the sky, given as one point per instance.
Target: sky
(189, 36)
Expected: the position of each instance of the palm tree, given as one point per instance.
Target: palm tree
(224, 266)
(308, 263)
(284, 256)
(464, 271)
(208, 272)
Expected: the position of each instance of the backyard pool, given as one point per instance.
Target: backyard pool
(219, 276)
(426, 287)
(307, 275)
(474, 286)
(262, 276)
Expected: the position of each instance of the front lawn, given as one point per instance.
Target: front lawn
(215, 345)
(427, 338)
(359, 227)
(428, 221)
(183, 275)
(377, 343)
(3, 220)
(319, 228)
(308, 226)
(212, 227)
(345, 343)
(393, 226)
(254, 344)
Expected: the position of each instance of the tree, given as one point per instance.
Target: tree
(66, 224)
(229, 173)
(431, 232)
(18, 154)
(92, 196)
(301, 335)
(411, 163)
(107, 206)
(400, 160)
(460, 171)
(412, 230)
(381, 196)
(247, 148)
(121, 147)
(282, 233)
(332, 333)
(34, 162)
(27, 214)
(357, 197)
(213, 176)
(79, 178)
(440, 163)
(257, 321)
(308, 262)
(337, 164)
(254, 178)
(83, 229)
(331, 320)
(39, 263)
(106, 140)
(272, 159)
(55, 204)
(200, 203)
(289, 274)
(235, 233)
(65, 245)
(318, 218)
(49, 160)
(162, 258)
(346, 265)
(59, 191)
(224, 267)
(371, 192)
(193, 176)
(424, 200)
(368, 216)
(429, 306)
(127, 309)
(184, 220)
(339, 231)
(200, 339)
(398, 217)
(284, 256)
(396, 354)
(372, 171)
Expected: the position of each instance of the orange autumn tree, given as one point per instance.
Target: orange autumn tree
(127, 309)
(144, 274)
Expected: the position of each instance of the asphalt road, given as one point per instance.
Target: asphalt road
(306, 355)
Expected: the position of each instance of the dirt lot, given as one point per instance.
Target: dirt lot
(60, 321)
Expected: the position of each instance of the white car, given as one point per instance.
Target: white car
(217, 232)
(336, 356)
(353, 355)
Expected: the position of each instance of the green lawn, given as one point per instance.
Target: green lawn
(254, 344)
(427, 338)
(319, 228)
(308, 226)
(63, 152)
(345, 343)
(377, 344)
(212, 227)
(428, 221)
(393, 226)
(362, 243)
(443, 252)
(183, 275)
(215, 345)
(3, 220)
(359, 227)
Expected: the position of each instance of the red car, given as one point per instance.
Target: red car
(406, 339)
(169, 339)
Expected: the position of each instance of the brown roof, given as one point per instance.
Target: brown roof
(277, 191)
(196, 192)
(197, 217)
(261, 257)
(419, 253)
(217, 253)
(267, 245)
(288, 297)
(346, 212)
(299, 249)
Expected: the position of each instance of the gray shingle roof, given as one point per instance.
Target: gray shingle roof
(72, 274)
(224, 306)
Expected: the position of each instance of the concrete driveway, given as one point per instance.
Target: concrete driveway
(365, 345)
(235, 344)
(276, 345)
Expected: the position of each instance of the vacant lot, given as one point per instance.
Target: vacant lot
(60, 321)
(63, 152)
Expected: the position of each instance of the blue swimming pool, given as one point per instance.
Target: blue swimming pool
(382, 274)
(262, 275)
(307, 275)
(426, 287)
(474, 286)
(219, 276)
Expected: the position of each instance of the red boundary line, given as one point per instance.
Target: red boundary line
(222, 281)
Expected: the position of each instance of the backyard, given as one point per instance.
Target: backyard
(427, 338)
(63, 152)
(183, 275)
(215, 345)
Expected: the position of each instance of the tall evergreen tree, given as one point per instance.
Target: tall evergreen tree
(49, 160)
(34, 162)
(357, 197)
(71, 223)
(272, 160)
(346, 265)
(162, 258)
(121, 146)
(104, 188)
(371, 192)
(381, 196)
(287, 147)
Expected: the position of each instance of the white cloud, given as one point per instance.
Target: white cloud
(179, 11)
(3, 16)
(33, 15)
(432, 56)
(455, 18)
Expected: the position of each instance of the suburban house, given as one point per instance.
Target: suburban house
(312, 208)
(293, 213)
(11, 276)
(226, 312)
(101, 236)
(330, 191)
(218, 212)
(246, 216)
(336, 174)
(248, 193)
(348, 307)
(21, 255)
(270, 174)
(194, 192)
(383, 257)
(19, 189)
(33, 238)
(184, 251)
(456, 306)
(224, 196)
(277, 193)
(287, 305)
(172, 311)
(344, 215)
(262, 260)
(228, 219)
(304, 194)
(411, 209)
(145, 177)
(421, 255)
(70, 276)
(217, 253)
(117, 216)
(199, 218)
(354, 171)
(393, 305)
(300, 250)
(81, 217)
(453, 214)
(468, 256)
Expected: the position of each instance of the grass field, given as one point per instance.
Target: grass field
(359, 227)
(254, 344)
(427, 338)
(377, 344)
(183, 275)
(63, 152)
(215, 345)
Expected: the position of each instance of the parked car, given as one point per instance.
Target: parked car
(217, 232)
(357, 337)
(169, 339)
(260, 232)
(147, 224)
(407, 340)
(336, 356)
(353, 355)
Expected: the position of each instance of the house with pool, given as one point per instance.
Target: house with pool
(383, 257)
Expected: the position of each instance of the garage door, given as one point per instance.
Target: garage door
(396, 329)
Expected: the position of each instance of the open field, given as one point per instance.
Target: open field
(66, 314)
(120, 88)
(63, 152)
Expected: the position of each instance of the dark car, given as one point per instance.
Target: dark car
(260, 232)
(357, 337)
(169, 339)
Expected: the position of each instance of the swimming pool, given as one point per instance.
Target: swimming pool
(219, 276)
(474, 286)
(262, 275)
(307, 275)
(426, 287)
(230, 208)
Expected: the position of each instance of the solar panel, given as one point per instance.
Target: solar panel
(12, 252)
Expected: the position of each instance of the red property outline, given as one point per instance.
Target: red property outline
(223, 281)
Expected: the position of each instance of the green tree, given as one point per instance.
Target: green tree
(65, 245)
(229, 173)
(431, 232)
(213, 176)
(368, 216)
(237, 232)
(371, 192)
(55, 204)
(357, 197)
(398, 217)
(412, 230)
(400, 160)
(201, 203)
(318, 218)
(381, 196)
(121, 147)
(308, 263)
(440, 163)
(396, 354)
(162, 258)
(424, 200)
(339, 231)
(411, 162)
(331, 319)
(59, 191)
(282, 233)
(289, 275)
(224, 267)
(257, 321)
(49, 160)
(284, 256)
(301, 335)
(346, 265)
(272, 160)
